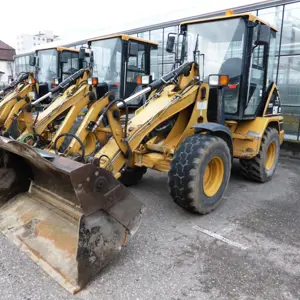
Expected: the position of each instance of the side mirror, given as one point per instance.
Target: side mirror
(32, 60)
(263, 35)
(64, 57)
(91, 59)
(170, 44)
(81, 54)
(133, 49)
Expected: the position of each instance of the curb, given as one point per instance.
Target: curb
(290, 150)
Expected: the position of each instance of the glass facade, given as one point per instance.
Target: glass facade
(284, 69)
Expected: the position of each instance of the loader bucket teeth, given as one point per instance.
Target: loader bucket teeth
(70, 218)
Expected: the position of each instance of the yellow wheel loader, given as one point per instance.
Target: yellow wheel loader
(52, 66)
(72, 218)
(111, 81)
(23, 89)
(220, 106)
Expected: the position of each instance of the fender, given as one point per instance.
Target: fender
(218, 130)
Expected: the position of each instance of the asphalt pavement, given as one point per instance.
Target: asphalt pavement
(249, 248)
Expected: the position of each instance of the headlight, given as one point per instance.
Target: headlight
(32, 81)
(92, 81)
(218, 80)
(146, 79)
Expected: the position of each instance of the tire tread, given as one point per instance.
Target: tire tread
(183, 172)
(252, 169)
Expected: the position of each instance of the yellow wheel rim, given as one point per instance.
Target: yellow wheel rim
(213, 176)
(271, 156)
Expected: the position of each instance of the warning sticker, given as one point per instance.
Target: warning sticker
(275, 110)
(202, 105)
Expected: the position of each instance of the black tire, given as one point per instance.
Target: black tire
(255, 168)
(132, 176)
(186, 175)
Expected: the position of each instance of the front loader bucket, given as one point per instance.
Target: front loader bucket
(70, 218)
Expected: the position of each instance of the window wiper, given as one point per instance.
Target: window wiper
(196, 51)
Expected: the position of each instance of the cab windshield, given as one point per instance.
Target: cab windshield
(71, 63)
(21, 64)
(47, 66)
(219, 46)
(107, 62)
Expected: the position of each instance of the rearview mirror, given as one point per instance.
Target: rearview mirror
(263, 35)
(170, 44)
(32, 60)
(64, 57)
(133, 49)
(81, 55)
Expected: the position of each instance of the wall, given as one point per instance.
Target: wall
(25, 42)
(4, 67)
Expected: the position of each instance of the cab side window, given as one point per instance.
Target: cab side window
(135, 67)
(257, 77)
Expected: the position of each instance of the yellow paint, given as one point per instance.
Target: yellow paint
(124, 37)
(7, 104)
(158, 110)
(155, 161)
(59, 49)
(74, 98)
(249, 16)
(213, 176)
(247, 135)
(271, 156)
(14, 111)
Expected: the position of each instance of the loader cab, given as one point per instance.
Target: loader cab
(240, 46)
(22, 64)
(53, 65)
(122, 64)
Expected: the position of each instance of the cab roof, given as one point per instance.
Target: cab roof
(124, 37)
(248, 16)
(58, 49)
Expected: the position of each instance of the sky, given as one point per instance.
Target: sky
(75, 20)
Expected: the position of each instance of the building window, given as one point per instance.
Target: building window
(291, 30)
(144, 35)
(157, 62)
(288, 82)
(273, 16)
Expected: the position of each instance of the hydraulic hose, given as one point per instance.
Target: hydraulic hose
(159, 83)
(100, 119)
(61, 86)
(65, 83)
(171, 75)
(73, 136)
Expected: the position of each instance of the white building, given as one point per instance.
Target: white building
(25, 42)
(6, 63)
